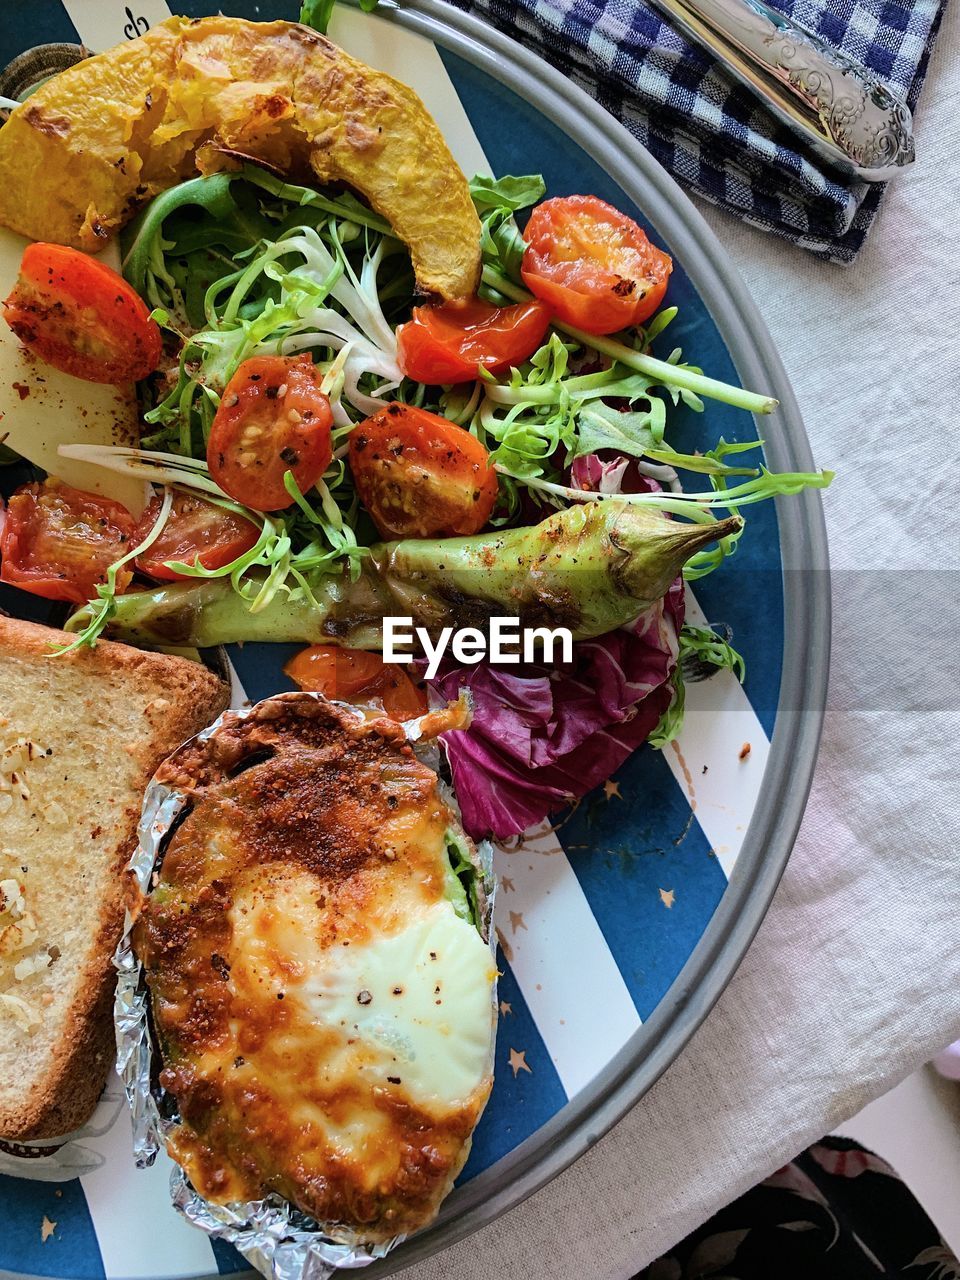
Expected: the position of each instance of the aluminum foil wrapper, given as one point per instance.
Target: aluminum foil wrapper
(275, 1237)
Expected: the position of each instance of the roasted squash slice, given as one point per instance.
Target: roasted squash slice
(84, 152)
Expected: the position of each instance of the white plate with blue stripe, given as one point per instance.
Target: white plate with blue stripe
(620, 929)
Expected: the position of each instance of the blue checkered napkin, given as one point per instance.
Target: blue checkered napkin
(712, 133)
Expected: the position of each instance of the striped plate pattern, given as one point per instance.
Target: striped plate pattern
(595, 918)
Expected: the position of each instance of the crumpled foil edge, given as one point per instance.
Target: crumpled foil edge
(272, 1235)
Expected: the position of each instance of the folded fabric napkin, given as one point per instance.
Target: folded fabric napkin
(709, 131)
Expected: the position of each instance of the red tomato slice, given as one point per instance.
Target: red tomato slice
(353, 675)
(593, 265)
(421, 476)
(195, 531)
(80, 316)
(273, 418)
(448, 343)
(58, 542)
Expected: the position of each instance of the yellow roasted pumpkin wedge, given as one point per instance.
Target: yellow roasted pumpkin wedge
(85, 151)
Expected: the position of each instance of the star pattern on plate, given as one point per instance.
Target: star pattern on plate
(518, 1061)
(505, 1008)
(611, 789)
(517, 922)
(47, 1228)
(668, 897)
(506, 884)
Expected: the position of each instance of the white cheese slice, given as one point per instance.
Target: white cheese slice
(410, 1012)
(41, 408)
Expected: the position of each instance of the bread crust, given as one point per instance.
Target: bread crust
(179, 697)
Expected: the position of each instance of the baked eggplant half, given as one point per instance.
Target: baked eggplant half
(314, 945)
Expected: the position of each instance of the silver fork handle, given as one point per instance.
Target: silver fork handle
(848, 116)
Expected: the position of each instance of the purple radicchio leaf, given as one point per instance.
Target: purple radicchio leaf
(542, 737)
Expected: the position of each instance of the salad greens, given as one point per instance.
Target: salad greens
(702, 652)
(461, 879)
(244, 263)
(317, 13)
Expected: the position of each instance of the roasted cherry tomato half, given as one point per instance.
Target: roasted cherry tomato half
(59, 542)
(81, 316)
(592, 265)
(353, 675)
(273, 418)
(421, 476)
(448, 343)
(195, 531)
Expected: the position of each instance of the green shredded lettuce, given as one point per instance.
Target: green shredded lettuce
(702, 653)
(460, 879)
(317, 13)
(243, 263)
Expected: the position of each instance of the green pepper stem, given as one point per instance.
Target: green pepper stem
(660, 370)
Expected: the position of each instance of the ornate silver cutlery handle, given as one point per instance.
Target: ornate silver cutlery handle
(848, 116)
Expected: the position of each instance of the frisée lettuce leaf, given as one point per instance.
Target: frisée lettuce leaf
(317, 13)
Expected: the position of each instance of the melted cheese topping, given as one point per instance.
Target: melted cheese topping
(327, 1018)
(408, 1011)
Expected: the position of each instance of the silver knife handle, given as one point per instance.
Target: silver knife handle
(849, 116)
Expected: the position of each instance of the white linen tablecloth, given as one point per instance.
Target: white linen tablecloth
(854, 978)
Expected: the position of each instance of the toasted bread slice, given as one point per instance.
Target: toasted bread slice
(80, 736)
